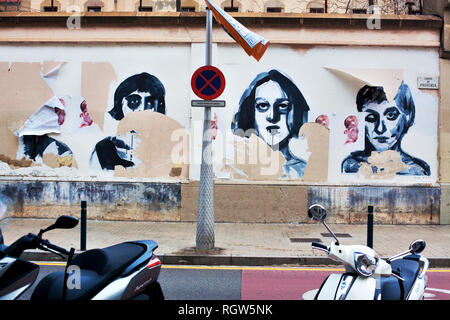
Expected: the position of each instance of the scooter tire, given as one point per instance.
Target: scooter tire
(154, 292)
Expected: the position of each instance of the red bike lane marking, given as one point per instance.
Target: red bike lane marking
(438, 281)
(279, 284)
(293, 284)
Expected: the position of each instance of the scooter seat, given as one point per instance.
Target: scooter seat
(98, 267)
(408, 268)
(112, 259)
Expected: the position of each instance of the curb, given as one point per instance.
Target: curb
(227, 260)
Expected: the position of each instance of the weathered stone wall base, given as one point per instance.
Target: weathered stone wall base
(105, 200)
(266, 203)
(234, 202)
(392, 205)
(445, 204)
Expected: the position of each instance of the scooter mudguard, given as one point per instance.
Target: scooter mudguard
(136, 277)
(143, 278)
(347, 286)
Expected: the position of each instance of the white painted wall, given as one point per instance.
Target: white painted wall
(325, 92)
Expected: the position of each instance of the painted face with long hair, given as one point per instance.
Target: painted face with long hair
(271, 107)
(271, 110)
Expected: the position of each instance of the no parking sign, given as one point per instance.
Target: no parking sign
(208, 82)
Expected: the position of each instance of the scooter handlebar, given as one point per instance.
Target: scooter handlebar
(51, 246)
(320, 246)
(29, 241)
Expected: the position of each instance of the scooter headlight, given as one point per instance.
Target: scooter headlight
(365, 264)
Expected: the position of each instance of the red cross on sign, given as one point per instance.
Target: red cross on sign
(208, 82)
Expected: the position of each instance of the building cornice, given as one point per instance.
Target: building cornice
(110, 28)
(198, 18)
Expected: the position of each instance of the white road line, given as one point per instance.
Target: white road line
(439, 290)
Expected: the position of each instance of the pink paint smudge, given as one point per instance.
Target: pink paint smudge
(323, 120)
(87, 121)
(214, 127)
(60, 112)
(351, 124)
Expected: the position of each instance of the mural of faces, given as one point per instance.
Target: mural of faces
(386, 123)
(274, 109)
(136, 93)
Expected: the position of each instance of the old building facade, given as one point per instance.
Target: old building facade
(282, 6)
(346, 110)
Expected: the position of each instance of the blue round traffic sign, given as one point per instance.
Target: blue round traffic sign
(208, 82)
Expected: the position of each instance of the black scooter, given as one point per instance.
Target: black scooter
(124, 271)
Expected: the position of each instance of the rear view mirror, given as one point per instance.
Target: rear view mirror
(66, 222)
(417, 246)
(317, 212)
(63, 222)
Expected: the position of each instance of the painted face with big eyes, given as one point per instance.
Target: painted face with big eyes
(272, 107)
(137, 101)
(385, 124)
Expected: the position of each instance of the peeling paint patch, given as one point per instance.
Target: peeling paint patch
(382, 165)
(16, 163)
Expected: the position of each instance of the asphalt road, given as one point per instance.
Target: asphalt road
(253, 283)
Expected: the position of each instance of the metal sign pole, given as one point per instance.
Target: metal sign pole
(205, 218)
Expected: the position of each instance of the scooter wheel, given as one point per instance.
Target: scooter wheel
(154, 292)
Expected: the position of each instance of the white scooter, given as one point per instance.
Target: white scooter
(367, 277)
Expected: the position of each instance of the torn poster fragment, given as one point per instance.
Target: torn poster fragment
(253, 44)
(46, 120)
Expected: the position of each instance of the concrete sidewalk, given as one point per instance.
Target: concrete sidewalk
(241, 244)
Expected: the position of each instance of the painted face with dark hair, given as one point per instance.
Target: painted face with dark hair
(136, 101)
(386, 124)
(272, 107)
